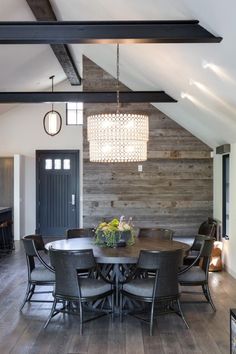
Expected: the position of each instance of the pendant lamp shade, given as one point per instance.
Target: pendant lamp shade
(118, 137)
(52, 121)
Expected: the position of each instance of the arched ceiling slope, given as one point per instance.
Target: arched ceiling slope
(207, 107)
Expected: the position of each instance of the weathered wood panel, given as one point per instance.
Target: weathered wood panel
(175, 188)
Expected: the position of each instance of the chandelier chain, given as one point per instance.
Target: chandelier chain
(118, 77)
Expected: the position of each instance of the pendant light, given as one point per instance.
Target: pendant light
(52, 121)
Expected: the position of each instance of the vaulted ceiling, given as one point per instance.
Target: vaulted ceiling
(207, 106)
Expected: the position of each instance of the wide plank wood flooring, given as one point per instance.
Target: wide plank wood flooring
(22, 332)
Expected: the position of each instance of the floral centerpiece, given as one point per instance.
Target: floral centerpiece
(115, 233)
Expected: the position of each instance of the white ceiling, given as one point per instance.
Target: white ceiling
(210, 110)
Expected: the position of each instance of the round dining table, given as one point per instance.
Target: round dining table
(118, 255)
(115, 264)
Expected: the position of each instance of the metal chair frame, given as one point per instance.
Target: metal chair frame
(75, 233)
(33, 244)
(204, 258)
(211, 225)
(71, 304)
(168, 301)
(161, 233)
(7, 244)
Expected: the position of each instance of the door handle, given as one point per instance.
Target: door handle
(72, 199)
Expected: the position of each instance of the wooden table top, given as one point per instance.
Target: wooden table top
(122, 255)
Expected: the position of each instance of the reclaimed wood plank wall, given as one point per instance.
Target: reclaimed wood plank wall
(175, 189)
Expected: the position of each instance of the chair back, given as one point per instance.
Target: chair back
(197, 243)
(208, 228)
(28, 242)
(74, 233)
(206, 250)
(66, 265)
(167, 264)
(162, 234)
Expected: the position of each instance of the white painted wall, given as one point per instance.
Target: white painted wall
(19, 173)
(22, 133)
(229, 246)
(217, 187)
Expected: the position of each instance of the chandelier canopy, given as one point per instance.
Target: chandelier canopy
(117, 137)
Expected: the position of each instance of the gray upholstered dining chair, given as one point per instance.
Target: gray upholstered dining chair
(70, 287)
(40, 273)
(193, 252)
(162, 288)
(207, 228)
(196, 274)
(74, 233)
(160, 233)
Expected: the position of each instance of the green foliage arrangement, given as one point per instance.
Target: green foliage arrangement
(111, 233)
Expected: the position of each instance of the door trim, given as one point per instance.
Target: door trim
(38, 154)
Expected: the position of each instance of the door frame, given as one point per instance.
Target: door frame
(38, 154)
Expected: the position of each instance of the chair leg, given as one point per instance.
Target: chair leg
(28, 290)
(181, 313)
(31, 292)
(80, 319)
(151, 318)
(207, 294)
(112, 306)
(121, 307)
(51, 313)
(3, 238)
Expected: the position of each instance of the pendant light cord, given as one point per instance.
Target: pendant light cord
(118, 77)
(52, 78)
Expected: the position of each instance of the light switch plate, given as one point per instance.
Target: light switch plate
(140, 168)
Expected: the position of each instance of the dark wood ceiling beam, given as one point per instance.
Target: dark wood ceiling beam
(65, 32)
(43, 11)
(86, 97)
(64, 57)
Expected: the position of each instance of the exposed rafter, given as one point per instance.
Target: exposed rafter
(43, 11)
(65, 32)
(88, 97)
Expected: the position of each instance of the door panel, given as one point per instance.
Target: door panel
(57, 191)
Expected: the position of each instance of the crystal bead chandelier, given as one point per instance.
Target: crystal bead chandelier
(117, 137)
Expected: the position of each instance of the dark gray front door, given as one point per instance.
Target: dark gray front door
(57, 191)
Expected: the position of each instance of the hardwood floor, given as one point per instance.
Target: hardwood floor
(22, 333)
